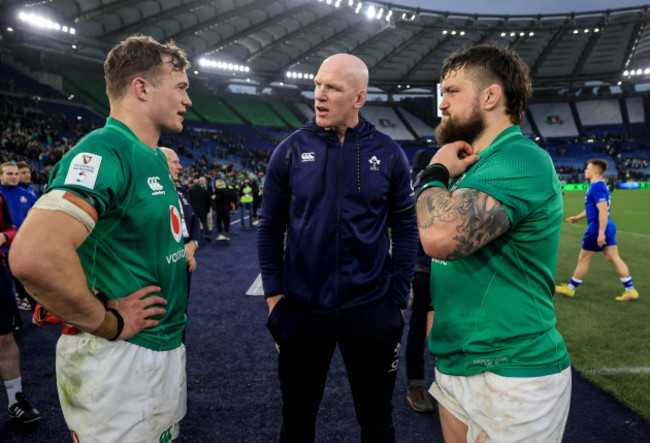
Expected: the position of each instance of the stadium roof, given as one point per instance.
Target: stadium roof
(272, 41)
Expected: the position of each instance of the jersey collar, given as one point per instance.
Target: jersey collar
(505, 136)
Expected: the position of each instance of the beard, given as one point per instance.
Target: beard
(451, 130)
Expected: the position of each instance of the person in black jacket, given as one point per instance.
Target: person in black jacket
(416, 339)
(200, 199)
(221, 204)
(191, 225)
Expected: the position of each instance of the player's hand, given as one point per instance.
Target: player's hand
(191, 264)
(572, 219)
(457, 157)
(601, 239)
(272, 301)
(136, 310)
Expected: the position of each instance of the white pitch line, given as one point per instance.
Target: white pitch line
(256, 288)
(633, 234)
(620, 370)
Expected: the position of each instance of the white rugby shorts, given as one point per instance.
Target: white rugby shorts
(118, 391)
(507, 409)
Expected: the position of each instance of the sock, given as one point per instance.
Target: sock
(627, 283)
(574, 283)
(13, 387)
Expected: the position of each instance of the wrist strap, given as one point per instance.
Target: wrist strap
(436, 172)
(434, 175)
(120, 322)
(105, 330)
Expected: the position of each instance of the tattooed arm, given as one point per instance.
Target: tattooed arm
(453, 225)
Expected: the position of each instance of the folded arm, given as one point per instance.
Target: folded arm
(454, 225)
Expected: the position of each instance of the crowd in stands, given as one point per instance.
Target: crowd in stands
(42, 139)
(634, 162)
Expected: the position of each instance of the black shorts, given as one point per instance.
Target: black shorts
(9, 314)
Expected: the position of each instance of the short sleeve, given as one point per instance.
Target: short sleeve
(519, 176)
(92, 170)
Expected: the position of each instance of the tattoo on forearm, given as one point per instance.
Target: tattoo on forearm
(476, 217)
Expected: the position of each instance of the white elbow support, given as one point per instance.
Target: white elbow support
(55, 201)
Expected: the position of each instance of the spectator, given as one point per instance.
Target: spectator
(221, 206)
(200, 200)
(416, 340)
(19, 408)
(20, 201)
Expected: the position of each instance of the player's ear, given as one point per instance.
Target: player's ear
(139, 87)
(491, 96)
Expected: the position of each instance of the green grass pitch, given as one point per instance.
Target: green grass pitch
(609, 341)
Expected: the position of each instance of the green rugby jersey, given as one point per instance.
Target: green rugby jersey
(494, 308)
(138, 239)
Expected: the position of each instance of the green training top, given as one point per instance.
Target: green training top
(494, 308)
(138, 240)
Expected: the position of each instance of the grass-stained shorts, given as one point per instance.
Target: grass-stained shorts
(118, 391)
(507, 409)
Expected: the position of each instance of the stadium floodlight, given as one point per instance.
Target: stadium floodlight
(337, 4)
(370, 12)
(596, 30)
(380, 13)
(639, 71)
(358, 8)
(223, 66)
(626, 73)
(350, 2)
(503, 34)
(389, 15)
(531, 33)
(453, 32)
(445, 32)
(462, 32)
(575, 31)
(42, 22)
(646, 71)
(329, 2)
(512, 34)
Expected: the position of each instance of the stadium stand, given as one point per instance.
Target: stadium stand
(421, 129)
(386, 120)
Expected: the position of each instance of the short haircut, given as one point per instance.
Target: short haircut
(5, 164)
(599, 163)
(23, 165)
(490, 64)
(139, 56)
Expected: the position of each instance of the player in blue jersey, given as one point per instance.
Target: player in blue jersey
(600, 235)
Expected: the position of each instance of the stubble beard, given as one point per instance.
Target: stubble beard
(450, 131)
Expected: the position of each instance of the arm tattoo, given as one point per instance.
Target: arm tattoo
(474, 217)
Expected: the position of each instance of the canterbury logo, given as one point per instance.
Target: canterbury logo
(87, 159)
(308, 157)
(153, 184)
